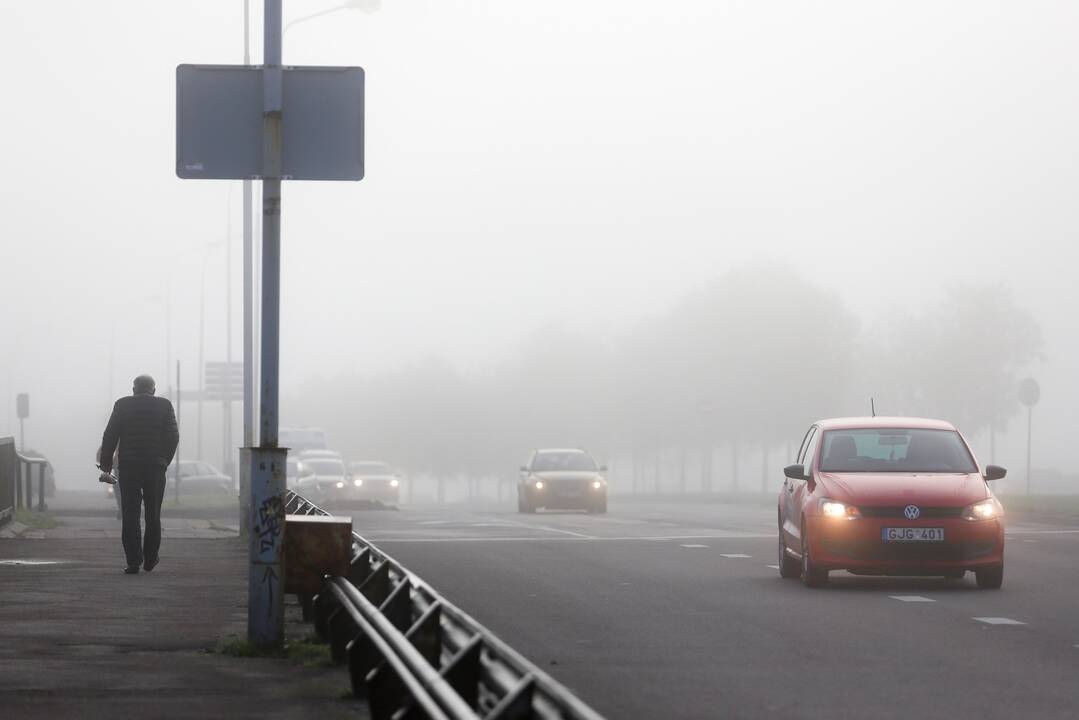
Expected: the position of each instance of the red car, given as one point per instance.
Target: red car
(889, 496)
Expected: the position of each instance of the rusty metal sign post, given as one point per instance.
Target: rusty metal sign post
(271, 123)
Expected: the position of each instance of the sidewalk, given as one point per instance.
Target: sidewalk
(79, 639)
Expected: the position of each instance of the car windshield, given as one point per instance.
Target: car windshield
(370, 468)
(325, 466)
(560, 461)
(908, 450)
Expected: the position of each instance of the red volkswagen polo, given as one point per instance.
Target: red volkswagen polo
(889, 496)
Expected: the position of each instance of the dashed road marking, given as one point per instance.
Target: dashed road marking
(998, 621)
(911, 598)
(693, 546)
(774, 567)
(735, 555)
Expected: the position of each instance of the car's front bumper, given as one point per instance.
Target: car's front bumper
(566, 496)
(857, 545)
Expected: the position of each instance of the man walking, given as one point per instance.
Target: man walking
(144, 427)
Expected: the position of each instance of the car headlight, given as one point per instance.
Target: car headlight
(358, 482)
(395, 482)
(539, 484)
(597, 484)
(340, 484)
(835, 509)
(983, 510)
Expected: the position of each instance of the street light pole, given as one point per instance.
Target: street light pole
(265, 608)
(249, 325)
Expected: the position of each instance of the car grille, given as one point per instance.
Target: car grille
(897, 511)
(909, 552)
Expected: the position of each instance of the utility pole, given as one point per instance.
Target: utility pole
(249, 339)
(176, 484)
(226, 429)
(265, 607)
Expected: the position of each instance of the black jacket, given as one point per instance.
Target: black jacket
(145, 428)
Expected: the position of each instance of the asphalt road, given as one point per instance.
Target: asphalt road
(664, 609)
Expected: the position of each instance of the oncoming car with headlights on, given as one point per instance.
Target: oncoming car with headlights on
(374, 481)
(322, 478)
(562, 479)
(889, 496)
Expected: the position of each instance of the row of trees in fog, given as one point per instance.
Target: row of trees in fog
(744, 364)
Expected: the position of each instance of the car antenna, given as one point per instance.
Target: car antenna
(873, 406)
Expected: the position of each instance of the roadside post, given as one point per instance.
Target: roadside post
(273, 123)
(1029, 394)
(22, 411)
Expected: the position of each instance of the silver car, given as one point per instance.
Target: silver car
(562, 479)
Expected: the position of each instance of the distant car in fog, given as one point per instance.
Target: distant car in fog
(375, 481)
(564, 479)
(889, 496)
(197, 476)
(321, 478)
(319, 453)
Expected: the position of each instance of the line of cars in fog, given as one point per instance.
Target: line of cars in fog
(323, 476)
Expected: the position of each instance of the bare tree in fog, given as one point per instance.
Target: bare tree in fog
(960, 358)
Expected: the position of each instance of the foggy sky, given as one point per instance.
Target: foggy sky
(584, 164)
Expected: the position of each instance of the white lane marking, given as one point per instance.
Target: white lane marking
(583, 538)
(693, 546)
(735, 555)
(774, 567)
(1041, 532)
(36, 562)
(998, 621)
(910, 598)
(436, 522)
(547, 528)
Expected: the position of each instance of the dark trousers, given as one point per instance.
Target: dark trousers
(141, 484)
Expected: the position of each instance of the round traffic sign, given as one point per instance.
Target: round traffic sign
(1029, 392)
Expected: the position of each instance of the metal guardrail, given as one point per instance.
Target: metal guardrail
(413, 654)
(17, 480)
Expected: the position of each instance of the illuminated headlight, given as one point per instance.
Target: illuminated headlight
(984, 510)
(340, 484)
(358, 482)
(395, 482)
(597, 484)
(539, 484)
(834, 509)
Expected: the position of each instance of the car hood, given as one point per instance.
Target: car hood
(887, 489)
(567, 475)
(382, 478)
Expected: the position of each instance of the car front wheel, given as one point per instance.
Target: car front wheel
(990, 578)
(523, 506)
(788, 566)
(812, 576)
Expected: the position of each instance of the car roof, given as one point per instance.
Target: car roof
(855, 423)
(561, 450)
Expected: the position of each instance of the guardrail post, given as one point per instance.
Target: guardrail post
(325, 604)
(342, 632)
(424, 634)
(462, 672)
(398, 606)
(28, 496)
(360, 568)
(376, 587)
(517, 705)
(41, 487)
(362, 658)
(18, 482)
(385, 692)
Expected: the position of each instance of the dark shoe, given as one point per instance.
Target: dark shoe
(131, 570)
(150, 565)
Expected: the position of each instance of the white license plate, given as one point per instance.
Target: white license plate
(912, 534)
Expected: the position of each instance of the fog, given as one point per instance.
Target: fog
(632, 225)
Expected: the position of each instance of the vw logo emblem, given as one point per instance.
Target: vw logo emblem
(912, 512)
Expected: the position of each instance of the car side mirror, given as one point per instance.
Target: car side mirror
(796, 472)
(994, 472)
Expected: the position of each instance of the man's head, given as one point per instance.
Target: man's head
(144, 385)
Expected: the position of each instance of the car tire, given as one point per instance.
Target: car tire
(955, 575)
(599, 507)
(523, 506)
(812, 576)
(788, 566)
(990, 578)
